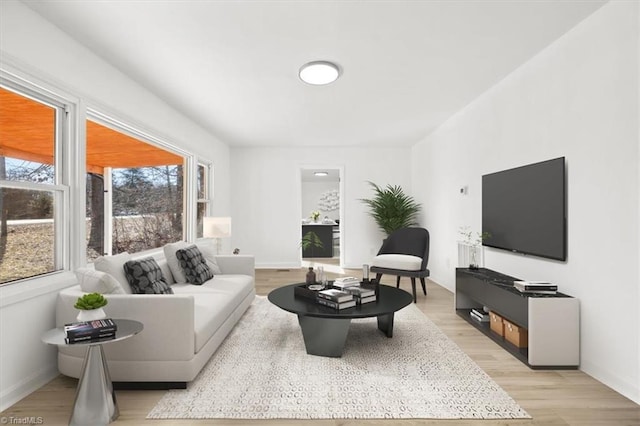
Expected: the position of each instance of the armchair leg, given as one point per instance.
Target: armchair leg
(378, 277)
(413, 287)
(424, 286)
(398, 281)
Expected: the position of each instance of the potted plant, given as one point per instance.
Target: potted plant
(311, 240)
(90, 306)
(472, 246)
(315, 215)
(391, 208)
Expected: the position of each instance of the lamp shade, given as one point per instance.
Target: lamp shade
(216, 227)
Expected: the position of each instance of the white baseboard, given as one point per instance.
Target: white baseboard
(618, 384)
(277, 266)
(28, 385)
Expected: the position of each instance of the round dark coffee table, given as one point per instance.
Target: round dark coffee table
(325, 329)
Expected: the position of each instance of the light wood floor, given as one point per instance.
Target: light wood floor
(550, 397)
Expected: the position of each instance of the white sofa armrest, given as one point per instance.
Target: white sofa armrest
(165, 317)
(237, 264)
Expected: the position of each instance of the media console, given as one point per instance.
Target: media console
(552, 321)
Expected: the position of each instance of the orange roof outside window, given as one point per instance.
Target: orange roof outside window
(27, 132)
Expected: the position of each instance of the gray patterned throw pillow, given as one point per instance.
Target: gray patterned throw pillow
(145, 277)
(194, 266)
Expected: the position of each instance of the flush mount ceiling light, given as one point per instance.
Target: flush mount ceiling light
(321, 174)
(319, 72)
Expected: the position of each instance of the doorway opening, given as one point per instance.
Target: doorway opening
(322, 224)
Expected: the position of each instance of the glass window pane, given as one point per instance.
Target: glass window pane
(95, 216)
(203, 197)
(27, 138)
(202, 182)
(147, 207)
(27, 235)
(28, 171)
(202, 209)
(146, 192)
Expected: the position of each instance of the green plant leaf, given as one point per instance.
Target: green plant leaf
(391, 208)
(90, 301)
(311, 239)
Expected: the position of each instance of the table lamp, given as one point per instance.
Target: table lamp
(216, 227)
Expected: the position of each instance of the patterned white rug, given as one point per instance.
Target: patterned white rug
(262, 371)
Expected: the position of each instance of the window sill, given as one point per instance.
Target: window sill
(31, 288)
(50, 283)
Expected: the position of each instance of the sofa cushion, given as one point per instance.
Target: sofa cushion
(174, 265)
(210, 256)
(240, 285)
(403, 262)
(166, 271)
(193, 265)
(214, 301)
(112, 265)
(92, 281)
(145, 277)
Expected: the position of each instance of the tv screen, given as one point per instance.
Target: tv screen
(524, 209)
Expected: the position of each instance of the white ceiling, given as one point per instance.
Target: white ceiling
(232, 66)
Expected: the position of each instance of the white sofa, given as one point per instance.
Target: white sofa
(181, 330)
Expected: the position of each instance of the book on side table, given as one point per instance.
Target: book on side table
(83, 331)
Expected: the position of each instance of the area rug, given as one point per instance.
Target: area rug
(262, 371)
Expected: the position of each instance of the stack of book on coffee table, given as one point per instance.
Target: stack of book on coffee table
(342, 293)
(346, 282)
(88, 331)
(362, 295)
(336, 298)
(346, 297)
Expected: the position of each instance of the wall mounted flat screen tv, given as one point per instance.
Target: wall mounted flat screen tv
(524, 209)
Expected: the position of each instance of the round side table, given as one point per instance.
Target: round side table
(95, 402)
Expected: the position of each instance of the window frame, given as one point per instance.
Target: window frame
(135, 130)
(61, 199)
(71, 155)
(67, 152)
(62, 185)
(208, 193)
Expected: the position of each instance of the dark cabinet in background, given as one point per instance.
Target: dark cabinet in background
(325, 233)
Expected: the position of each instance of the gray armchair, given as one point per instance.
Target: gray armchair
(405, 253)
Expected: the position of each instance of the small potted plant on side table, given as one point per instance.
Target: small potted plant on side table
(90, 306)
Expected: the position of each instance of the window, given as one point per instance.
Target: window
(202, 183)
(147, 207)
(33, 199)
(134, 192)
(140, 190)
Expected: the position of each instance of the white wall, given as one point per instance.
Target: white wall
(638, 111)
(39, 49)
(311, 194)
(267, 208)
(579, 99)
